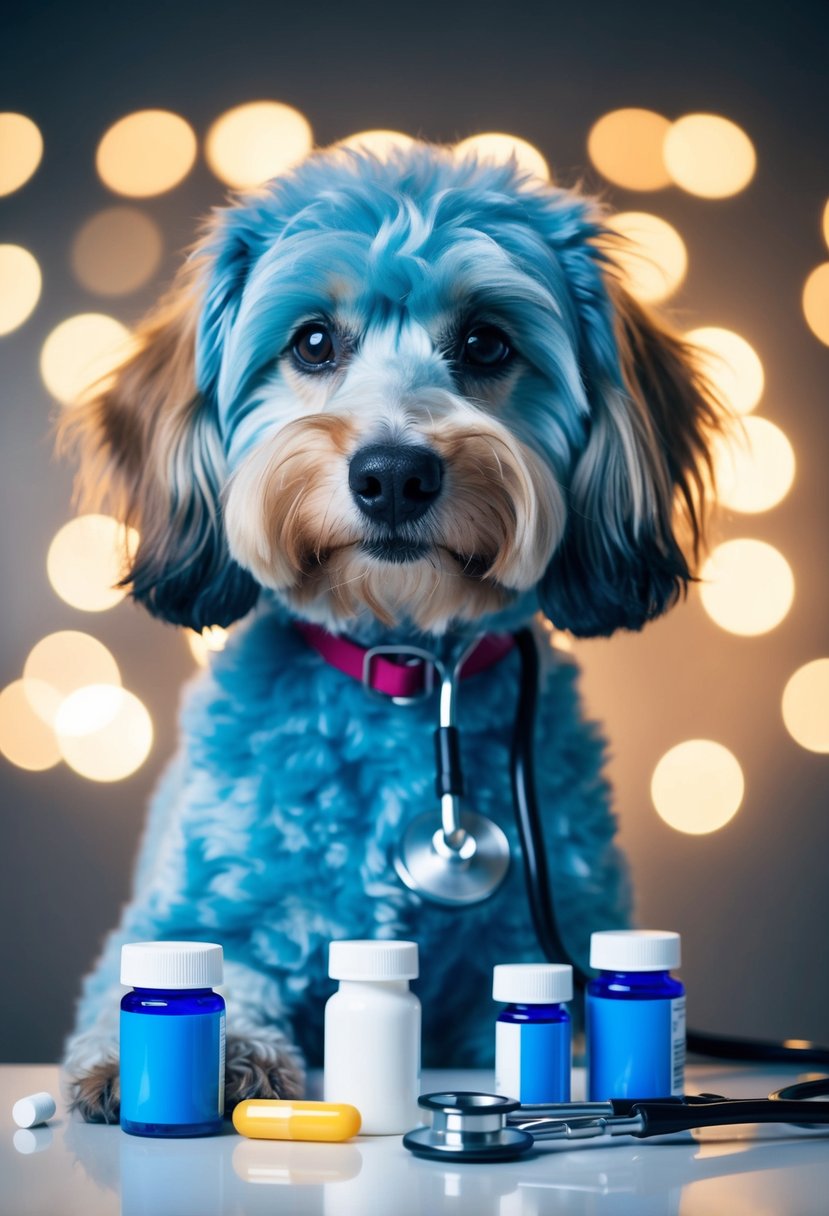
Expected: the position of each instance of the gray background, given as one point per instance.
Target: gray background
(751, 900)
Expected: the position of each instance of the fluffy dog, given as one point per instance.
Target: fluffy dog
(401, 399)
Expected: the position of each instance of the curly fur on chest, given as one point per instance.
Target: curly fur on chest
(274, 830)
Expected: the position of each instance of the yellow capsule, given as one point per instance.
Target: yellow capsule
(270, 1119)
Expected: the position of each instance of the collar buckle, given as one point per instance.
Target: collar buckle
(415, 658)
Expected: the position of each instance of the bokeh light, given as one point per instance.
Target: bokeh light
(826, 223)
(379, 142)
(755, 466)
(80, 352)
(709, 155)
(626, 148)
(250, 144)
(21, 148)
(25, 739)
(652, 257)
(212, 639)
(806, 706)
(731, 364)
(816, 302)
(60, 664)
(87, 558)
(697, 786)
(19, 286)
(747, 587)
(558, 639)
(103, 733)
(146, 153)
(117, 251)
(498, 147)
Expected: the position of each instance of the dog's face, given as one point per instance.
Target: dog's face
(407, 389)
(379, 400)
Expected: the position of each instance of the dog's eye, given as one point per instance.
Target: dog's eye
(485, 347)
(314, 346)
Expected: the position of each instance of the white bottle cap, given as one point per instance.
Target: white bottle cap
(370, 960)
(634, 950)
(171, 965)
(36, 1108)
(532, 983)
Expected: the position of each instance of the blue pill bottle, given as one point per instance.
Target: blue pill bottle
(635, 1016)
(172, 1039)
(533, 1035)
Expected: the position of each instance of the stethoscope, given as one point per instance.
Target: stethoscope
(464, 858)
(488, 1127)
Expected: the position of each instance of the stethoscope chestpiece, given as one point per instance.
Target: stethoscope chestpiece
(468, 1127)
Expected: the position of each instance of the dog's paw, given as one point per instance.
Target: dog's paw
(261, 1064)
(96, 1094)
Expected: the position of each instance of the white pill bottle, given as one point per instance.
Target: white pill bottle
(372, 1034)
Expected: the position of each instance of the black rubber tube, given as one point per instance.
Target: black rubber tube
(530, 832)
(448, 771)
(540, 892)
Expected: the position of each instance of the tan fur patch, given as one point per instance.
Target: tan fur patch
(501, 501)
(287, 505)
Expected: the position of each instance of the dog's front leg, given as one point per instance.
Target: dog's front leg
(260, 1059)
(90, 1064)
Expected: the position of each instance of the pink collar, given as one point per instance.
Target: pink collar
(410, 679)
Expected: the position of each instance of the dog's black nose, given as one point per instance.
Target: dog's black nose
(394, 484)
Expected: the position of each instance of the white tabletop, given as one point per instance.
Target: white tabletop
(69, 1168)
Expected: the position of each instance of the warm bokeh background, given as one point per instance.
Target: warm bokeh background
(751, 897)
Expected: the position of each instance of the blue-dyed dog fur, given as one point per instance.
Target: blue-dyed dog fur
(273, 829)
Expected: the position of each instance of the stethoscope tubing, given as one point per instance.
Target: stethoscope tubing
(489, 1127)
(426, 858)
(540, 891)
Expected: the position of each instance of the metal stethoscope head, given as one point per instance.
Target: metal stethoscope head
(468, 1127)
(465, 859)
(489, 1127)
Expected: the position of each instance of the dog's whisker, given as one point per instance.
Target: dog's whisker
(321, 534)
(497, 459)
(287, 458)
(296, 506)
(345, 582)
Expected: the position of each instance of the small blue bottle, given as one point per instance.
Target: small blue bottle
(635, 1015)
(172, 1039)
(533, 1035)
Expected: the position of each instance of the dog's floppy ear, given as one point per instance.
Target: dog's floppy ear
(151, 454)
(638, 488)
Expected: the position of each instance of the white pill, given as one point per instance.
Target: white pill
(36, 1108)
